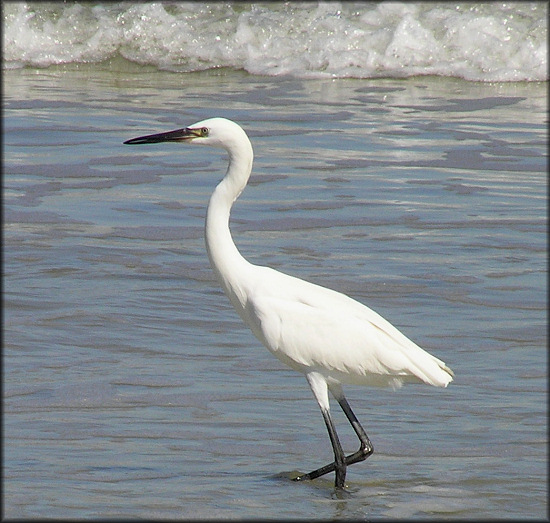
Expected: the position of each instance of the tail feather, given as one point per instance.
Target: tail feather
(439, 375)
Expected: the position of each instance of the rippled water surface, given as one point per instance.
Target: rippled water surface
(132, 389)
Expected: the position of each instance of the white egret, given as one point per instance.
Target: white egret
(328, 336)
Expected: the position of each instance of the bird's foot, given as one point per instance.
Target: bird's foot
(301, 477)
(363, 453)
(339, 483)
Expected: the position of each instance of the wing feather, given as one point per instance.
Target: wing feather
(310, 327)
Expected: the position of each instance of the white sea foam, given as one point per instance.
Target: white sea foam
(483, 41)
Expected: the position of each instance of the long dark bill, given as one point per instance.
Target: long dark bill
(179, 135)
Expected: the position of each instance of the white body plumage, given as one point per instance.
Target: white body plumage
(328, 336)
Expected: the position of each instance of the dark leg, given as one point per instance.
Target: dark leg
(339, 463)
(365, 449)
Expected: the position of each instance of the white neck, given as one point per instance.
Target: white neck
(224, 256)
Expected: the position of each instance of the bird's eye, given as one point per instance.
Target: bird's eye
(204, 131)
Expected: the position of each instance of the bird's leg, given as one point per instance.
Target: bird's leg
(319, 387)
(365, 448)
(340, 461)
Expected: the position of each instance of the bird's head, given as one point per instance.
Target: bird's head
(217, 132)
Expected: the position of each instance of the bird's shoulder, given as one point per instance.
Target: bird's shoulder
(272, 285)
(277, 294)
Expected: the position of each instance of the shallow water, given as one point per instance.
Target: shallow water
(132, 389)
